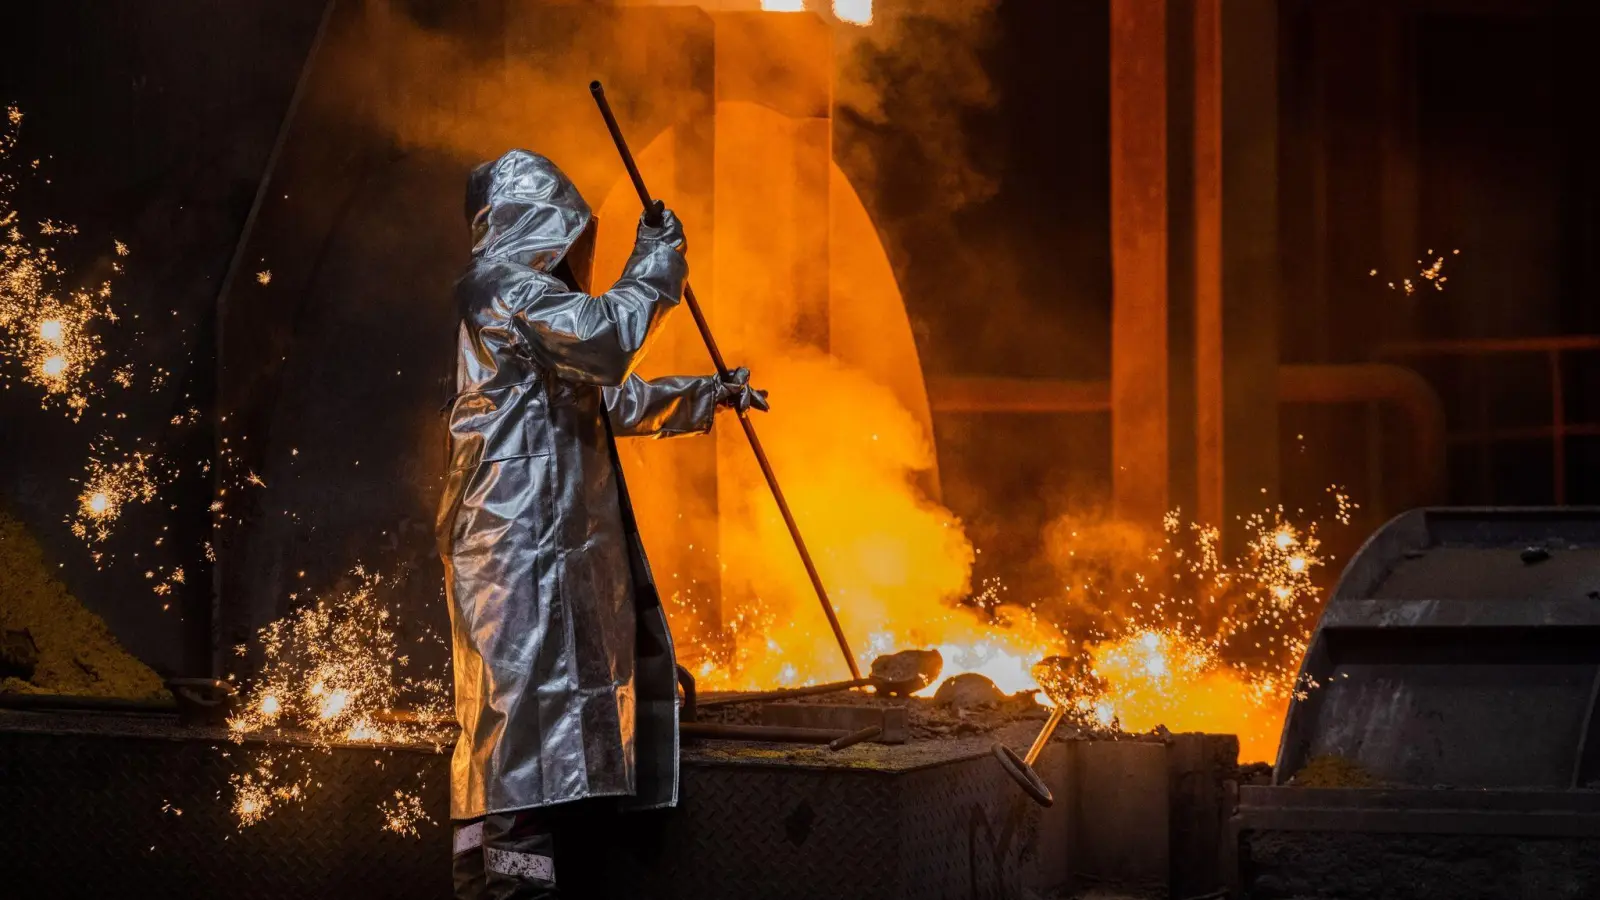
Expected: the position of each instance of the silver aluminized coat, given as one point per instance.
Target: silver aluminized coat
(564, 671)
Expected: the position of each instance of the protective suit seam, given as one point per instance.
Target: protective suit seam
(503, 387)
(483, 462)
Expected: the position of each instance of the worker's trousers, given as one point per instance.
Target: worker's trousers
(505, 857)
(526, 855)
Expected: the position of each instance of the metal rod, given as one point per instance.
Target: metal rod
(90, 704)
(778, 734)
(785, 693)
(1045, 733)
(722, 370)
(855, 737)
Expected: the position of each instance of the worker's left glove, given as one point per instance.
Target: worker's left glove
(669, 232)
(735, 391)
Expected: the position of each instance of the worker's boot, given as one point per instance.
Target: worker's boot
(466, 860)
(519, 857)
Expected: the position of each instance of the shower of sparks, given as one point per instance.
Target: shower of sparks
(1203, 643)
(1193, 637)
(1429, 273)
(1344, 507)
(404, 813)
(264, 786)
(172, 579)
(48, 334)
(264, 277)
(108, 488)
(334, 669)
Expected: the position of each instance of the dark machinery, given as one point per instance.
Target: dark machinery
(1444, 741)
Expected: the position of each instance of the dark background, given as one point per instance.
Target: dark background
(155, 119)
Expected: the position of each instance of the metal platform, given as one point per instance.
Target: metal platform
(1457, 664)
(89, 807)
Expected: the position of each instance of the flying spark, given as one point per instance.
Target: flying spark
(333, 670)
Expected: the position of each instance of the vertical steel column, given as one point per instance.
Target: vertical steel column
(1251, 292)
(1210, 433)
(1139, 371)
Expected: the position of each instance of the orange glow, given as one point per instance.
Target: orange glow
(896, 563)
(1164, 678)
(851, 441)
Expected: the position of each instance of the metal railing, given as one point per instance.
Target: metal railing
(1371, 383)
(1484, 436)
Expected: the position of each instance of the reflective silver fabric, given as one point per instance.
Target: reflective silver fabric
(564, 672)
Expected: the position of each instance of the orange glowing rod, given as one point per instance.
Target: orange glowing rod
(653, 217)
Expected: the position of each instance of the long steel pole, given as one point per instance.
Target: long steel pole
(722, 370)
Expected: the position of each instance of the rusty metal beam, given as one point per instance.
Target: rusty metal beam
(1251, 288)
(1139, 371)
(1400, 388)
(1396, 386)
(1210, 433)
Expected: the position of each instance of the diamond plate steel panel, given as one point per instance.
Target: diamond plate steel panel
(88, 813)
(91, 816)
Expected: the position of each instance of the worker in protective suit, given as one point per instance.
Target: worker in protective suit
(566, 684)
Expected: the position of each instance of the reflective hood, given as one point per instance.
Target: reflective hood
(524, 208)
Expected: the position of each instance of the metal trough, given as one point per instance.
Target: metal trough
(1451, 683)
(94, 805)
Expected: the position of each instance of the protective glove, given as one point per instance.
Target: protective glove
(735, 391)
(669, 232)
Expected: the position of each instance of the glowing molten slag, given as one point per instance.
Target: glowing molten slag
(1166, 678)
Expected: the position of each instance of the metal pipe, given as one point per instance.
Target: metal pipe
(856, 737)
(778, 734)
(87, 704)
(1397, 386)
(1045, 734)
(785, 693)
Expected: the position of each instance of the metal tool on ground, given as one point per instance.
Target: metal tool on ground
(1020, 768)
(895, 675)
(722, 370)
(1058, 677)
(891, 722)
(777, 734)
(855, 737)
(209, 700)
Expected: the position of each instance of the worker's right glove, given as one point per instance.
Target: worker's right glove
(735, 391)
(669, 232)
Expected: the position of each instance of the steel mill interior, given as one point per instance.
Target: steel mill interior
(1178, 482)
